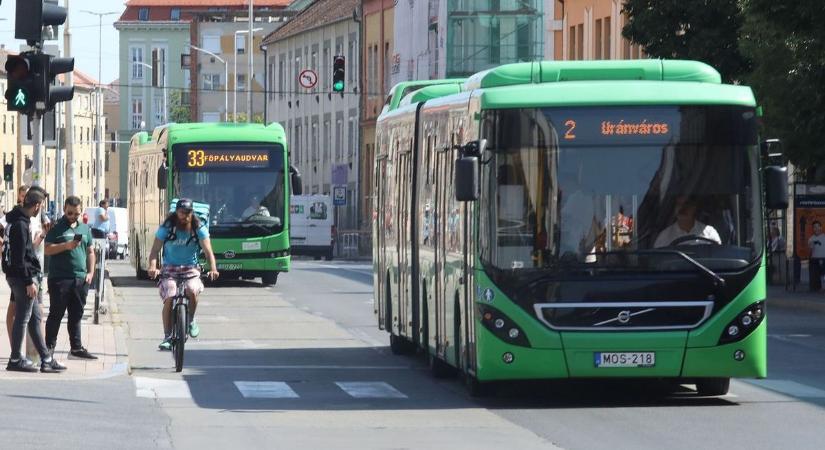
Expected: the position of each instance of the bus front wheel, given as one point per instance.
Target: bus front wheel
(712, 387)
(270, 279)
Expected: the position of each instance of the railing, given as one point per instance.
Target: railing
(353, 244)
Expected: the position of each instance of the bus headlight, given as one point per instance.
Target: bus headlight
(502, 326)
(744, 323)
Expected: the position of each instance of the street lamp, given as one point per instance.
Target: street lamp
(99, 103)
(249, 75)
(225, 76)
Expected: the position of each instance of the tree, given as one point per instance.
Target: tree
(178, 112)
(786, 41)
(703, 30)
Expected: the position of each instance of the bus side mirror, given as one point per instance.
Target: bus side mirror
(163, 173)
(466, 179)
(295, 181)
(776, 187)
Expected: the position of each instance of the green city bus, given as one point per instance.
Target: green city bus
(236, 172)
(598, 219)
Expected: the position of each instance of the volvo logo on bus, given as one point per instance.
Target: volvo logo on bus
(623, 317)
(229, 254)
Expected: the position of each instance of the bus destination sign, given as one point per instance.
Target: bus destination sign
(587, 126)
(213, 158)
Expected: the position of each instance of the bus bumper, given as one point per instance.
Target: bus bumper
(254, 266)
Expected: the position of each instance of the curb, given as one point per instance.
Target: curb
(121, 345)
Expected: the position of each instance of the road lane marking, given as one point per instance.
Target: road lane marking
(369, 389)
(265, 389)
(159, 388)
(791, 388)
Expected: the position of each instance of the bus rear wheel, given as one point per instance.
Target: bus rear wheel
(270, 279)
(400, 345)
(712, 387)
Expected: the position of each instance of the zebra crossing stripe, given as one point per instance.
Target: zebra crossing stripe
(265, 389)
(160, 388)
(369, 389)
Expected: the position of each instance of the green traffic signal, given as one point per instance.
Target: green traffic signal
(21, 100)
(338, 86)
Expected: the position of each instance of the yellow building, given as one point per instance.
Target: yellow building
(592, 29)
(377, 49)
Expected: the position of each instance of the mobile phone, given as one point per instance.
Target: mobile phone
(78, 237)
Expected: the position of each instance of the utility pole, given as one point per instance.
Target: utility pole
(251, 50)
(71, 186)
(99, 181)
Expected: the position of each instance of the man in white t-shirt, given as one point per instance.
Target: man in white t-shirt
(816, 244)
(687, 225)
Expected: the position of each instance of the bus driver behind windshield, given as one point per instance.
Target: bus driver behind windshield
(686, 225)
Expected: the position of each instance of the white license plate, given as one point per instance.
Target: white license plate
(230, 266)
(624, 359)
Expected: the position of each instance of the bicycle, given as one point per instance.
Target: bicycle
(180, 316)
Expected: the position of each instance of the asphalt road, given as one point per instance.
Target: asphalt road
(302, 365)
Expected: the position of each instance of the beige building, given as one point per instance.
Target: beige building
(592, 29)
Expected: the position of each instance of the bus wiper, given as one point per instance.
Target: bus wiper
(713, 276)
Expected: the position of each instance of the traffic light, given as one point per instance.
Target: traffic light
(338, 74)
(22, 77)
(33, 15)
(53, 67)
(8, 172)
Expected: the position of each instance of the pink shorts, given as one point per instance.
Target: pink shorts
(167, 285)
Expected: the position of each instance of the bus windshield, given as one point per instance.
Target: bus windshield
(243, 184)
(620, 188)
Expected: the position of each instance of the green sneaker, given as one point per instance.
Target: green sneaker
(166, 344)
(194, 329)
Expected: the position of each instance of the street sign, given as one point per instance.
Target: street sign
(308, 79)
(339, 195)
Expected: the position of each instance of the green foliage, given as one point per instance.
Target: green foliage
(179, 112)
(786, 41)
(702, 30)
(256, 118)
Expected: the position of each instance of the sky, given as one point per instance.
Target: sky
(85, 32)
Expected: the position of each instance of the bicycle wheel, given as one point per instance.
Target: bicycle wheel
(180, 338)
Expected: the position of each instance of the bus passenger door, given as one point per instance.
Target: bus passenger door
(381, 237)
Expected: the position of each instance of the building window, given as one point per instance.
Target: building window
(137, 113)
(241, 81)
(212, 44)
(211, 81)
(281, 77)
(606, 51)
(597, 41)
(387, 65)
(240, 43)
(350, 62)
(137, 62)
(211, 117)
(339, 140)
(175, 15)
(159, 113)
(143, 14)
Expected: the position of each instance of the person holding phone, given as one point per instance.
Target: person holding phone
(71, 270)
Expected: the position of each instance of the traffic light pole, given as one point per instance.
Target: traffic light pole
(71, 187)
(37, 147)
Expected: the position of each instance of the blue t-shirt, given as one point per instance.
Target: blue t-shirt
(176, 252)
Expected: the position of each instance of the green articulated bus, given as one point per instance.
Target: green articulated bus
(599, 219)
(236, 174)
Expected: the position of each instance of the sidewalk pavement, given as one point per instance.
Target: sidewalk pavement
(105, 340)
(802, 299)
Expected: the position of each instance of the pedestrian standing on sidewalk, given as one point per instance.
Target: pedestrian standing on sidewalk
(36, 228)
(816, 244)
(22, 270)
(100, 227)
(71, 270)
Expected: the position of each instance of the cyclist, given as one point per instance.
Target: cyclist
(182, 237)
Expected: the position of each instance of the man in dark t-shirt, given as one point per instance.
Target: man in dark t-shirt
(71, 269)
